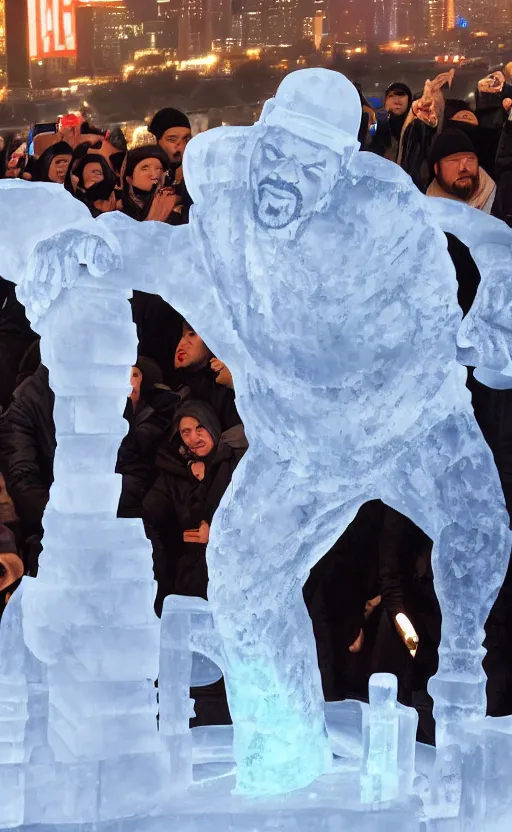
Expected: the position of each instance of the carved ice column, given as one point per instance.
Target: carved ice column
(13, 716)
(189, 644)
(89, 614)
(389, 737)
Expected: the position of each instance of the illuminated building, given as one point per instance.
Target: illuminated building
(308, 28)
(16, 44)
(221, 19)
(441, 16)
(169, 12)
(142, 10)
(2, 35)
(195, 34)
(105, 32)
(282, 23)
(318, 28)
(485, 15)
(351, 19)
(237, 27)
(253, 23)
(392, 20)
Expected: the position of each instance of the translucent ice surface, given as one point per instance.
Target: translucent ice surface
(321, 276)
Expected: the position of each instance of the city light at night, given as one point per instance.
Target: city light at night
(124, 40)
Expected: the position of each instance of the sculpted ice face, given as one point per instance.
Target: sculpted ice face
(290, 178)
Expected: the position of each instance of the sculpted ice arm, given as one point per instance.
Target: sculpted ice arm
(485, 336)
(164, 260)
(150, 256)
(58, 214)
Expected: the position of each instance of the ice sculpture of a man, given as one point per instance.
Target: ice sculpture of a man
(321, 276)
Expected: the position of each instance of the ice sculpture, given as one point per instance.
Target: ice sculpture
(321, 276)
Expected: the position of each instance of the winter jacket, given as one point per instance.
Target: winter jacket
(502, 207)
(159, 330)
(466, 272)
(27, 450)
(386, 135)
(407, 586)
(16, 336)
(177, 501)
(202, 385)
(177, 496)
(135, 458)
(414, 157)
(491, 117)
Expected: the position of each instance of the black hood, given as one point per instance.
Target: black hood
(204, 414)
(100, 190)
(46, 158)
(13, 319)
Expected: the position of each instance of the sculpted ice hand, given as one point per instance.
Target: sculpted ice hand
(42, 254)
(55, 265)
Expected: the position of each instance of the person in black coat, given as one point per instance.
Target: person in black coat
(200, 375)
(387, 132)
(172, 130)
(159, 331)
(149, 411)
(195, 464)
(6, 148)
(407, 588)
(490, 95)
(342, 597)
(146, 196)
(27, 450)
(16, 336)
(502, 207)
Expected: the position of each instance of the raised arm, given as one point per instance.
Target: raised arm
(485, 336)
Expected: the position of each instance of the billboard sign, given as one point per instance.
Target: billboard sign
(51, 26)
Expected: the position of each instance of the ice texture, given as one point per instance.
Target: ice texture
(389, 734)
(321, 276)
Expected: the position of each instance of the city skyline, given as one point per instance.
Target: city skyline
(48, 38)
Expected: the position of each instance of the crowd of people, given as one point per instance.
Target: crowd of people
(371, 598)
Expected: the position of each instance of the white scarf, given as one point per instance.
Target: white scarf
(482, 199)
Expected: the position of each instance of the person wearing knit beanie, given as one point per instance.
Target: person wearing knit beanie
(398, 98)
(458, 174)
(171, 128)
(450, 142)
(390, 123)
(140, 154)
(146, 196)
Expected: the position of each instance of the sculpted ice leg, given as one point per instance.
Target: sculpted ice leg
(450, 487)
(272, 526)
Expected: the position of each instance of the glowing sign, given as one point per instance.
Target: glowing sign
(51, 29)
(461, 23)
